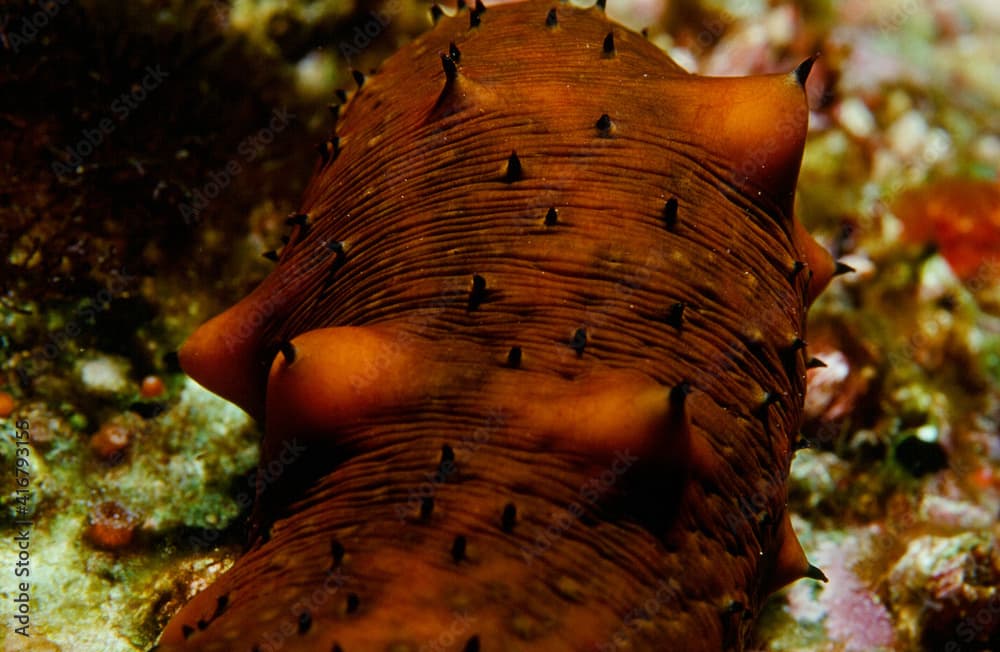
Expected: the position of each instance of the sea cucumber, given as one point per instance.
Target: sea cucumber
(539, 328)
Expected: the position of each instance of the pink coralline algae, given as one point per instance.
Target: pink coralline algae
(855, 616)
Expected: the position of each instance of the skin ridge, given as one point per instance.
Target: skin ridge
(532, 363)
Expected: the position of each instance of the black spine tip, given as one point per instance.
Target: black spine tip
(475, 18)
(814, 573)
(472, 645)
(323, 149)
(514, 357)
(803, 69)
(508, 518)
(337, 552)
(328, 150)
(815, 363)
(514, 169)
(734, 607)
(436, 13)
(552, 18)
(297, 219)
(338, 249)
(675, 315)
(670, 213)
(579, 341)
(460, 5)
(454, 52)
(798, 344)
(288, 350)
(601, 4)
(797, 267)
(220, 605)
(609, 44)
(426, 508)
(271, 255)
(458, 549)
(341, 95)
(552, 217)
(680, 392)
(359, 78)
(446, 465)
(480, 7)
(843, 268)
(603, 125)
(353, 602)
(478, 292)
(334, 112)
(186, 631)
(450, 69)
(305, 622)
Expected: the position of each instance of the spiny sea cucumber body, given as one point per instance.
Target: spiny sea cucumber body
(540, 326)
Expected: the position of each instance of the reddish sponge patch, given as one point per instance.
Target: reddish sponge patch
(962, 217)
(7, 405)
(111, 526)
(110, 441)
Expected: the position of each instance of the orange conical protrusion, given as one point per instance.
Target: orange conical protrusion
(754, 128)
(817, 259)
(606, 412)
(223, 355)
(231, 353)
(791, 563)
(331, 377)
(459, 93)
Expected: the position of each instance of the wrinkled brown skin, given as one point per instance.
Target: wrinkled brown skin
(643, 513)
